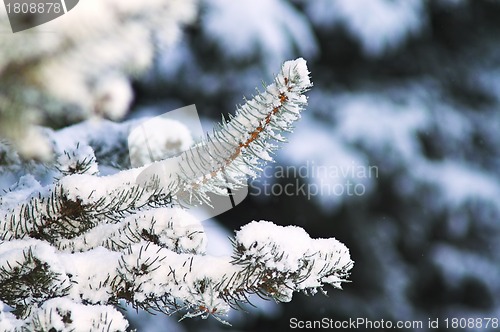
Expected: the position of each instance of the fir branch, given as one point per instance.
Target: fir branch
(171, 228)
(71, 207)
(235, 150)
(86, 242)
(272, 266)
(27, 275)
(239, 147)
(155, 278)
(81, 160)
(277, 265)
(68, 315)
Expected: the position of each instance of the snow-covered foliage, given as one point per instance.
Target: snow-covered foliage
(408, 89)
(238, 148)
(379, 25)
(78, 66)
(72, 250)
(281, 28)
(405, 107)
(240, 32)
(170, 138)
(59, 314)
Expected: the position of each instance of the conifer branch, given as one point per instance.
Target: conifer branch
(235, 150)
(87, 242)
(240, 146)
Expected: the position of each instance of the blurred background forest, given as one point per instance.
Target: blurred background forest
(411, 87)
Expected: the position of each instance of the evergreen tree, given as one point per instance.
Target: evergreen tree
(80, 236)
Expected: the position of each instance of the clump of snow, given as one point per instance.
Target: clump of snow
(172, 228)
(8, 322)
(64, 315)
(88, 189)
(297, 72)
(290, 251)
(91, 271)
(79, 160)
(264, 239)
(34, 145)
(113, 97)
(157, 139)
(20, 191)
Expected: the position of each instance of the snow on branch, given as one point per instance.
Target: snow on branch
(59, 314)
(289, 252)
(239, 146)
(75, 204)
(73, 250)
(156, 278)
(235, 150)
(51, 80)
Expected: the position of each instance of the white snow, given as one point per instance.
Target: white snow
(68, 316)
(174, 228)
(291, 250)
(329, 166)
(113, 96)
(83, 61)
(156, 139)
(104, 132)
(268, 27)
(379, 25)
(378, 123)
(91, 270)
(22, 190)
(8, 322)
(458, 182)
(81, 154)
